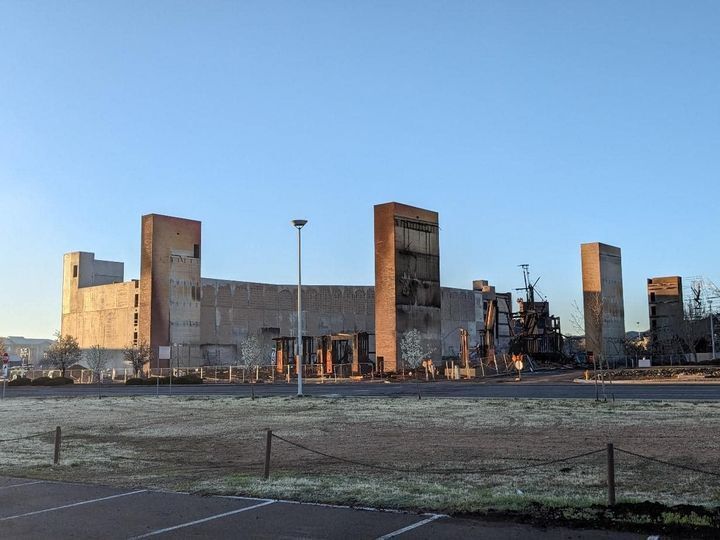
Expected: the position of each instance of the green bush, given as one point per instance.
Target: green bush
(40, 381)
(135, 381)
(20, 381)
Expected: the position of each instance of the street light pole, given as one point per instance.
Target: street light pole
(712, 330)
(299, 224)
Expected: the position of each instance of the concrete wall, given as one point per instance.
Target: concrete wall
(184, 299)
(461, 308)
(603, 299)
(95, 309)
(232, 310)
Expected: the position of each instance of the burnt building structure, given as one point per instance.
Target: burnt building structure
(666, 313)
(603, 305)
(204, 321)
(407, 280)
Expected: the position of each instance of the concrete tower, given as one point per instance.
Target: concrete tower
(407, 280)
(603, 299)
(665, 309)
(170, 288)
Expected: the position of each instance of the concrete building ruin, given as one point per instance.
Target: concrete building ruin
(204, 321)
(666, 313)
(407, 280)
(604, 310)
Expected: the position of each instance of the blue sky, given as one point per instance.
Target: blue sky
(529, 126)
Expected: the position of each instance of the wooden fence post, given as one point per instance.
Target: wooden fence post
(268, 445)
(611, 474)
(58, 436)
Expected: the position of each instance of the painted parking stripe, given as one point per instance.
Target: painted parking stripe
(23, 484)
(411, 527)
(204, 520)
(73, 504)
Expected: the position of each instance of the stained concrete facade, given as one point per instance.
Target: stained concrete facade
(665, 309)
(604, 310)
(407, 280)
(170, 289)
(233, 310)
(204, 320)
(98, 308)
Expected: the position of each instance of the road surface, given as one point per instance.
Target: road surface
(554, 385)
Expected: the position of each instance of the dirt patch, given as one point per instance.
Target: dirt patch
(462, 456)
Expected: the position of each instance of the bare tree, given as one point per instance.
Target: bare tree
(2, 346)
(692, 333)
(63, 353)
(138, 356)
(413, 352)
(96, 358)
(577, 319)
(251, 354)
(593, 322)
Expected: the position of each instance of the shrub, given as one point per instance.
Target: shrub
(188, 379)
(20, 381)
(152, 381)
(60, 381)
(55, 381)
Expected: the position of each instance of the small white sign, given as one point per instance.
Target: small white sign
(644, 362)
(164, 352)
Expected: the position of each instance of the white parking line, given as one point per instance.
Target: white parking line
(411, 527)
(197, 521)
(73, 504)
(23, 484)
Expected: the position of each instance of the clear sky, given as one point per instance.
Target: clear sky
(529, 126)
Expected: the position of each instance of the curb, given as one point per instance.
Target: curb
(650, 381)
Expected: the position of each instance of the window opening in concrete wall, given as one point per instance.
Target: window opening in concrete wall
(196, 251)
(74, 270)
(137, 300)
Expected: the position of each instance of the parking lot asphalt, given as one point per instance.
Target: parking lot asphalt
(31, 509)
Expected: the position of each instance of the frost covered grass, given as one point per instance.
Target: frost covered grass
(216, 445)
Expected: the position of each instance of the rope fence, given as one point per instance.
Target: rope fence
(34, 436)
(610, 451)
(668, 463)
(435, 471)
(172, 459)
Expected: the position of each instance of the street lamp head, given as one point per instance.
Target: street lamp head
(299, 223)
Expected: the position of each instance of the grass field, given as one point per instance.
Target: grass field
(217, 445)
